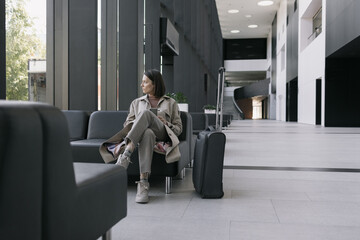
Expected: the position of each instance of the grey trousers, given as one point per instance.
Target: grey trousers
(147, 128)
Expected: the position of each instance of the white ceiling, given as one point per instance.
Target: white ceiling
(261, 16)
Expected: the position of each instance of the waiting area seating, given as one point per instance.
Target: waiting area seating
(43, 193)
(102, 125)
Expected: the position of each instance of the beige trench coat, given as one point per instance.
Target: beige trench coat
(168, 109)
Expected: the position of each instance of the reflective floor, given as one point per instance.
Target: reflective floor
(281, 181)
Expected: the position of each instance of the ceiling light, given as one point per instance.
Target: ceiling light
(253, 26)
(234, 31)
(233, 11)
(248, 16)
(265, 3)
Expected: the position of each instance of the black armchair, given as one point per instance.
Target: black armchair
(43, 194)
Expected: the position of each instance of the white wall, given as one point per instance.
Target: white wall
(229, 91)
(246, 65)
(281, 62)
(311, 62)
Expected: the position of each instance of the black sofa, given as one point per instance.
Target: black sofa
(104, 124)
(43, 194)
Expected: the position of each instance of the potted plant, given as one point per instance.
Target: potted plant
(209, 108)
(181, 99)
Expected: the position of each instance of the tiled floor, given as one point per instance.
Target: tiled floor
(262, 204)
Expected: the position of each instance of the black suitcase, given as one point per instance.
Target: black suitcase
(208, 164)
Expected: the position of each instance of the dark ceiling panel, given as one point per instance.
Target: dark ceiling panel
(236, 49)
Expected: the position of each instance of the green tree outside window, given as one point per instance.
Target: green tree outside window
(22, 44)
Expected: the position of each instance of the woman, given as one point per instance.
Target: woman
(152, 118)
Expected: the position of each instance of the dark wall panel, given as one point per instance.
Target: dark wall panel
(292, 42)
(130, 41)
(152, 35)
(200, 50)
(292, 100)
(342, 87)
(2, 51)
(273, 55)
(168, 72)
(318, 102)
(342, 23)
(235, 49)
(343, 59)
(168, 11)
(109, 55)
(180, 66)
(187, 18)
(83, 55)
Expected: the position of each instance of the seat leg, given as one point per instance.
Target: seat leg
(181, 175)
(107, 235)
(168, 185)
(190, 165)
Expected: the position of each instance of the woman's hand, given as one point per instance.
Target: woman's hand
(163, 120)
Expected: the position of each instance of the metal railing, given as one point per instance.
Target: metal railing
(220, 99)
(314, 35)
(241, 113)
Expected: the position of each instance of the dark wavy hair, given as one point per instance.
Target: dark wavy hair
(158, 81)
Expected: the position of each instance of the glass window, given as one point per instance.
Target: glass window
(317, 23)
(25, 50)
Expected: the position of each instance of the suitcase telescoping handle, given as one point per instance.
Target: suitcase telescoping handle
(220, 99)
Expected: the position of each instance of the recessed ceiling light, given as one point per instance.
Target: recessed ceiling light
(234, 31)
(265, 3)
(248, 16)
(233, 11)
(253, 26)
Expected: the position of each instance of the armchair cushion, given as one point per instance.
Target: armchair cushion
(97, 194)
(104, 124)
(87, 150)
